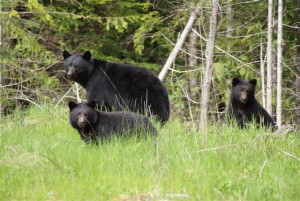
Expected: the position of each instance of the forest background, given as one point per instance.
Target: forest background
(144, 33)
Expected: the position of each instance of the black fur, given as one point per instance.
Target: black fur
(119, 86)
(243, 105)
(93, 124)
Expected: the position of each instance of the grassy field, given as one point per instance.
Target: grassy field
(43, 158)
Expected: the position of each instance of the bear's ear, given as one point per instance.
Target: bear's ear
(253, 82)
(235, 81)
(72, 105)
(92, 103)
(87, 55)
(66, 54)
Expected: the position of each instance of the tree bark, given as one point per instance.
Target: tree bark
(229, 13)
(179, 42)
(207, 74)
(1, 65)
(262, 74)
(269, 57)
(297, 83)
(279, 67)
(193, 62)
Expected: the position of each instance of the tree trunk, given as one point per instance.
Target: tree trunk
(179, 42)
(229, 13)
(298, 72)
(1, 67)
(279, 67)
(207, 74)
(262, 74)
(193, 62)
(269, 58)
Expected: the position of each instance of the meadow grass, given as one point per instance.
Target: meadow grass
(43, 158)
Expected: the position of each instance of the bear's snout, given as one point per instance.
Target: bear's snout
(82, 121)
(243, 97)
(71, 73)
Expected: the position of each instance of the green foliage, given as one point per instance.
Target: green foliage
(148, 23)
(136, 32)
(14, 14)
(34, 6)
(25, 59)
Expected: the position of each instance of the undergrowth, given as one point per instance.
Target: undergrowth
(43, 158)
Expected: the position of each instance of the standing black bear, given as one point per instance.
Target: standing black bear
(119, 86)
(244, 107)
(93, 124)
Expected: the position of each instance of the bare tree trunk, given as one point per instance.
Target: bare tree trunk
(193, 79)
(192, 49)
(1, 67)
(193, 62)
(207, 75)
(179, 42)
(229, 13)
(269, 58)
(298, 72)
(279, 67)
(262, 74)
(274, 69)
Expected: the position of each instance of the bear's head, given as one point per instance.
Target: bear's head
(78, 67)
(83, 115)
(243, 91)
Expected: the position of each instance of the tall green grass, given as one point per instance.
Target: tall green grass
(43, 158)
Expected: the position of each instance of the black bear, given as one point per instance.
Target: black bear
(118, 86)
(93, 124)
(243, 105)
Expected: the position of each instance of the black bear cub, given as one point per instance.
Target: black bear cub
(118, 86)
(243, 105)
(93, 124)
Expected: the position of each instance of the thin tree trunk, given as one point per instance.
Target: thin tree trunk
(179, 42)
(1, 65)
(274, 69)
(207, 75)
(279, 67)
(229, 13)
(193, 80)
(262, 74)
(192, 49)
(192, 61)
(297, 83)
(269, 58)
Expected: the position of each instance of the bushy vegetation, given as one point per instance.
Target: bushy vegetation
(43, 158)
(138, 32)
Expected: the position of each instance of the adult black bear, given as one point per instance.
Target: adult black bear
(119, 86)
(93, 124)
(243, 105)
